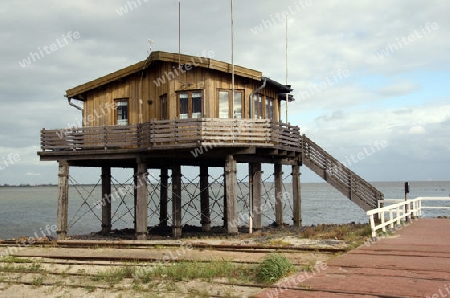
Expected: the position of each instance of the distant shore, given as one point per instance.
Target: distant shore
(28, 185)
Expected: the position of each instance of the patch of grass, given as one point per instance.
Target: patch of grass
(366, 231)
(12, 259)
(308, 232)
(310, 265)
(66, 270)
(59, 283)
(90, 288)
(115, 275)
(278, 241)
(172, 286)
(22, 267)
(194, 293)
(274, 267)
(193, 270)
(346, 232)
(36, 267)
(136, 286)
(37, 281)
(190, 270)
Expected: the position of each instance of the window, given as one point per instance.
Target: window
(269, 107)
(225, 102)
(190, 104)
(237, 107)
(121, 111)
(258, 112)
(164, 106)
(184, 105)
(196, 105)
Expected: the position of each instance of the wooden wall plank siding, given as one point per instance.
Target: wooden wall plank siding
(144, 91)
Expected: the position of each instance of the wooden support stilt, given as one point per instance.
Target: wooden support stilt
(204, 199)
(224, 201)
(278, 173)
(231, 195)
(141, 201)
(297, 197)
(255, 189)
(106, 200)
(135, 182)
(63, 199)
(176, 201)
(163, 198)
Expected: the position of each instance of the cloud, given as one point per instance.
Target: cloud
(416, 130)
(399, 89)
(336, 115)
(32, 174)
(395, 98)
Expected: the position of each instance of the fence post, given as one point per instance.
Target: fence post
(420, 207)
(106, 200)
(43, 139)
(141, 201)
(63, 199)
(231, 195)
(406, 199)
(382, 222)
(176, 201)
(278, 175)
(105, 138)
(139, 135)
(372, 225)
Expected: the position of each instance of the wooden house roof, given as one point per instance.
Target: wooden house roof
(209, 63)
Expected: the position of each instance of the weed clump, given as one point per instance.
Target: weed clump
(274, 267)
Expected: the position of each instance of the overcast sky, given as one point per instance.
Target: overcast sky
(365, 73)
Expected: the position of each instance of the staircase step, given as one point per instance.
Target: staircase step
(339, 176)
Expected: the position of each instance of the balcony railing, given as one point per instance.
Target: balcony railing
(175, 134)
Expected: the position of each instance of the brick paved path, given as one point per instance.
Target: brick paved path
(414, 262)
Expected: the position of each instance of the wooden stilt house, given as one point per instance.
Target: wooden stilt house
(173, 110)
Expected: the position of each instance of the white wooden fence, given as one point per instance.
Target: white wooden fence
(400, 210)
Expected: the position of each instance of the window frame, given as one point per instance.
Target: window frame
(259, 105)
(116, 112)
(230, 104)
(190, 103)
(269, 107)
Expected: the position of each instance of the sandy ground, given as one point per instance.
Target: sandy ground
(69, 272)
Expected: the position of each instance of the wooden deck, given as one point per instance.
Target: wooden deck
(183, 140)
(414, 262)
(173, 134)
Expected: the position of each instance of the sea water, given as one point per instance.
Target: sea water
(31, 211)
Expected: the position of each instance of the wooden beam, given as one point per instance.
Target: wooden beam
(225, 222)
(176, 201)
(135, 182)
(278, 174)
(63, 199)
(164, 177)
(255, 189)
(204, 199)
(297, 197)
(141, 202)
(267, 151)
(106, 200)
(231, 195)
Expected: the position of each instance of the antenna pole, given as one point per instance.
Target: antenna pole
(232, 59)
(287, 95)
(179, 33)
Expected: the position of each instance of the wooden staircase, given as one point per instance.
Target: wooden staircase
(339, 176)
